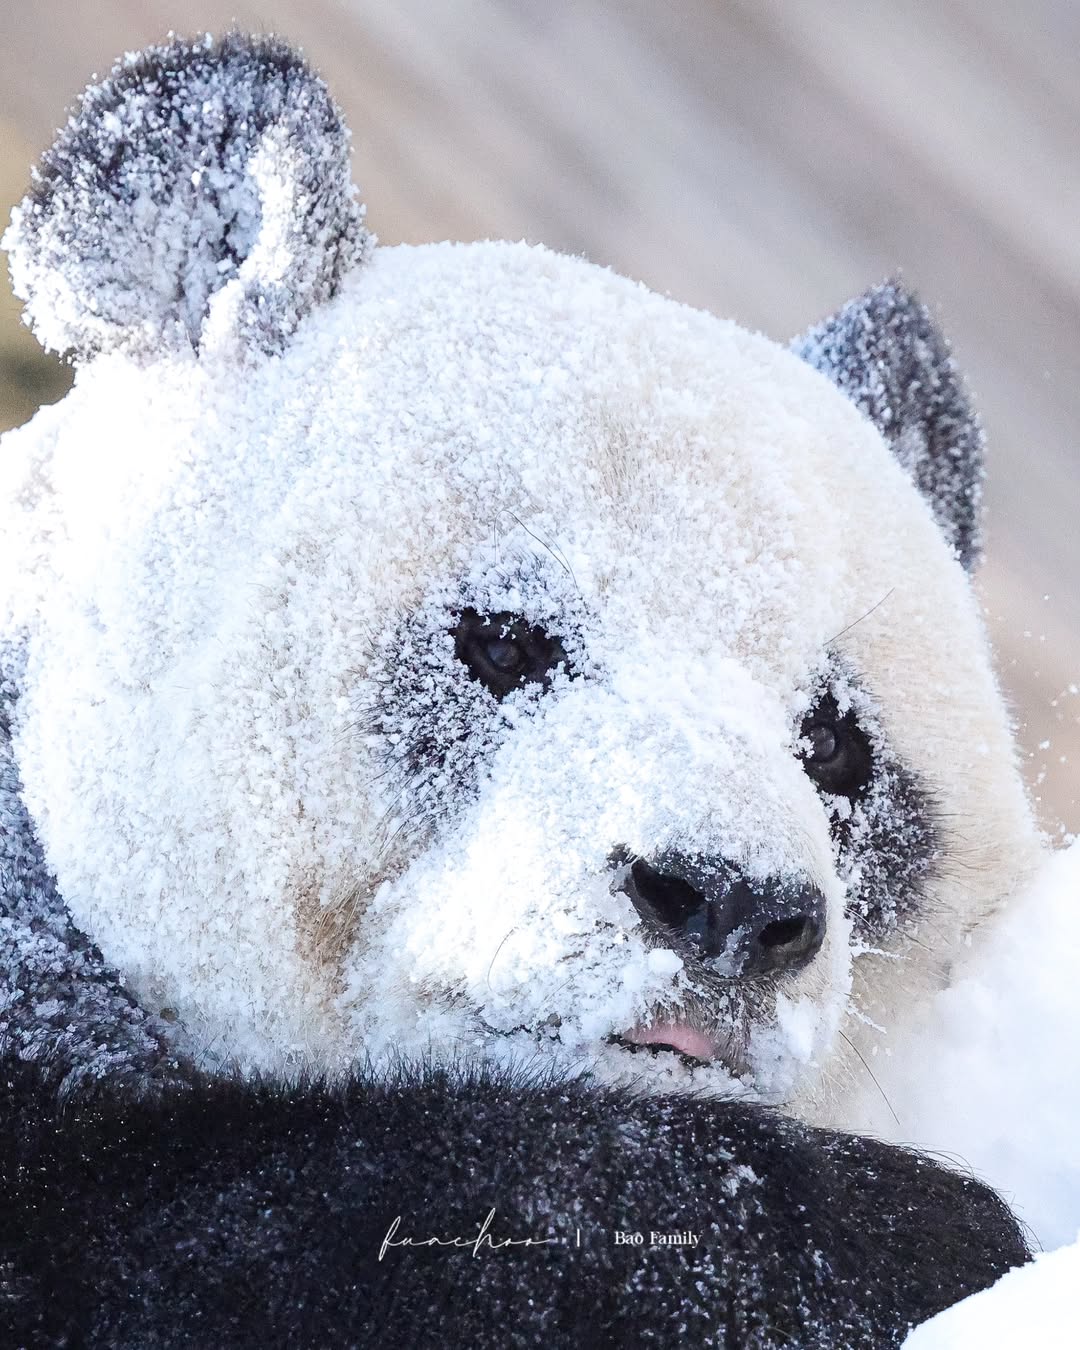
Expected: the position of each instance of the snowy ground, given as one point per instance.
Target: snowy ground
(1034, 1306)
(992, 1081)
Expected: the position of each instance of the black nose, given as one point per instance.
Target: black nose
(758, 926)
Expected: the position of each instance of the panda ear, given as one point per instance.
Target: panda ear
(200, 192)
(885, 353)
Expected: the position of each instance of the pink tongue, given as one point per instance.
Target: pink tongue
(687, 1040)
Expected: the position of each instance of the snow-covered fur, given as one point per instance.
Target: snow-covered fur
(462, 650)
(229, 1214)
(461, 654)
(224, 162)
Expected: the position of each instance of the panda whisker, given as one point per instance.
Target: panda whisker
(927, 921)
(392, 762)
(859, 1055)
(557, 990)
(498, 949)
(861, 618)
(559, 556)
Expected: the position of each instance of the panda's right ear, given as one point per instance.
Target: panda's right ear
(199, 194)
(884, 351)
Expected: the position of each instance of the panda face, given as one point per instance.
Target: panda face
(507, 662)
(458, 683)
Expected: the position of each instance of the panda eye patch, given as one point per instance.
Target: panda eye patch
(503, 651)
(835, 750)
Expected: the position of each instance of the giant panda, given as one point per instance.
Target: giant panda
(462, 706)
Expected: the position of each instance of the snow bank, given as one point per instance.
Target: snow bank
(992, 1077)
(992, 1080)
(1032, 1306)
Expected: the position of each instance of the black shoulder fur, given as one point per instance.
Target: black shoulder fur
(221, 1214)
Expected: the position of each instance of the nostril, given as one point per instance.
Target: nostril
(671, 898)
(786, 932)
(787, 942)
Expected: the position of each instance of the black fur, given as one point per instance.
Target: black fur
(886, 835)
(221, 1214)
(888, 850)
(885, 353)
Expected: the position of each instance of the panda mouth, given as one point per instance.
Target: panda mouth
(713, 1028)
(680, 1037)
(688, 1043)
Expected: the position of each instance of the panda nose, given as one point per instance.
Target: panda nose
(760, 926)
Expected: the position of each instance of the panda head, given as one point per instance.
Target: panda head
(462, 650)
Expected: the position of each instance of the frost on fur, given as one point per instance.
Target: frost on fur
(270, 778)
(195, 168)
(885, 353)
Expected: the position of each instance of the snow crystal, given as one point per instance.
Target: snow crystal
(57, 997)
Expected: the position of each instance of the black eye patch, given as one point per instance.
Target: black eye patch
(503, 651)
(836, 752)
(882, 816)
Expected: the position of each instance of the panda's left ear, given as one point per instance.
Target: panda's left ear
(885, 353)
(200, 194)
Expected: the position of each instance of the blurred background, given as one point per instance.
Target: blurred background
(760, 158)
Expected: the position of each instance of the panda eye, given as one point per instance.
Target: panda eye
(504, 652)
(836, 751)
(824, 743)
(507, 655)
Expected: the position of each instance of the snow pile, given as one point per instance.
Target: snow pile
(992, 1078)
(992, 1081)
(1032, 1306)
